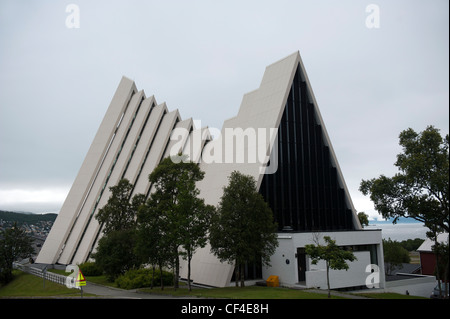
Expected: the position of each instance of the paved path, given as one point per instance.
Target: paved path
(337, 293)
(110, 292)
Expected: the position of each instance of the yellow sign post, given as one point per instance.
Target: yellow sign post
(80, 282)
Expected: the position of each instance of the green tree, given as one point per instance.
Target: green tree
(115, 253)
(243, 230)
(115, 250)
(363, 219)
(194, 226)
(120, 212)
(394, 255)
(420, 189)
(412, 244)
(151, 245)
(334, 256)
(175, 199)
(14, 244)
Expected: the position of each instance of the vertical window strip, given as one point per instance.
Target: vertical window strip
(319, 202)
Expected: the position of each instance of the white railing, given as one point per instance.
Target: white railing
(59, 279)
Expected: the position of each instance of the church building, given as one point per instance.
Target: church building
(278, 137)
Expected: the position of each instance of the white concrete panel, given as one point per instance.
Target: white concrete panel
(177, 140)
(94, 248)
(156, 153)
(86, 214)
(207, 269)
(132, 138)
(80, 188)
(145, 142)
(355, 276)
(284, 261)
(195, 143)
(153, 116)
(130, 147)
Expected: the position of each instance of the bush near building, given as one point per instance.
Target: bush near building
(140, 278)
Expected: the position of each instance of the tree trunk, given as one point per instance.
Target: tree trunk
(189, 271)
(236, 274)
(177, 270)
(446, 278)
(153, 276)
(436, 267)
(242, 275)
(328, 280)
(161, 276)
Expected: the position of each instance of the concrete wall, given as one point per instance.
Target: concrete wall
(355, 276)
(284, 261)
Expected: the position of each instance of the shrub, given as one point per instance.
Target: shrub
(91, 269)
(139, 278)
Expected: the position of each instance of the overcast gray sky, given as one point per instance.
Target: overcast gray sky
(202, 57)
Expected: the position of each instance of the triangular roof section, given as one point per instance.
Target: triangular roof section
(427, 245)
(260, 109)
(305, 188)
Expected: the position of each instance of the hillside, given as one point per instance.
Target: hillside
(27, 218)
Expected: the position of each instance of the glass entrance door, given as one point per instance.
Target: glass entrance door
(301, 264)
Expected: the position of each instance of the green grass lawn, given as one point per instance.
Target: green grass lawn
(27, 285)
(257, 292)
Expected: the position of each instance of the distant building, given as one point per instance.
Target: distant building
(278, 137)
(427, 256)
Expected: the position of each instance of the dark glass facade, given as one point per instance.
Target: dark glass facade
(304, 193)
